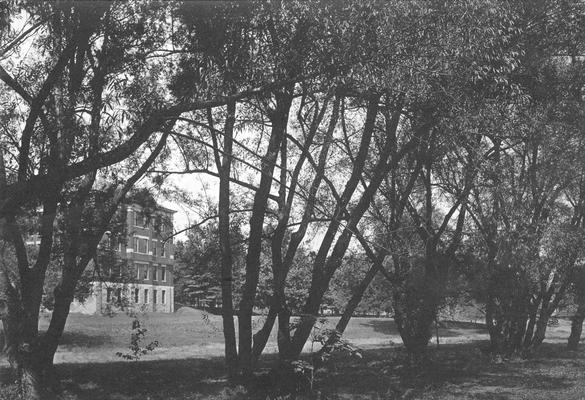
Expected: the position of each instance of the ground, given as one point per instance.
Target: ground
(188, 363)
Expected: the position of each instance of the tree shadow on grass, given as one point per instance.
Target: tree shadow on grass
(554, 351)
(452, 372)
(80, 339)
(385, 326)
(446, 328)
(160, 379)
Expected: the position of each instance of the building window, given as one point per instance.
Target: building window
(146, 296)
(140, 220)
(162, 297)
(140, 245)
(141, 271)
(114, 271)
(154, 247)
(162, 249)
(155, 273)
(136, 294)
(163, 273)
(154, 296)
(166, 224)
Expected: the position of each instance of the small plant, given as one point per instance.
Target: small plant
(9, 392)
(304, 372)
(136, 338)
(330, 342)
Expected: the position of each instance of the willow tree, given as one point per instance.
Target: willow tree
(414, 130)
(532, 144)
(91, 92)
(334, 104)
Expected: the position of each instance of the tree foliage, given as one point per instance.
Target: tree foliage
(433, 136)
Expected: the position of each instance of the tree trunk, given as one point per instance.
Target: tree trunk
(352, 304)
(415, 310)
(227, 306)
(576, 327)
(33, 366)
(279, 119)
(11, 332)
(64, 293)
(37, 374)
(508, 312)
(540, 332)
(278, 309)
(324, 267)
(308, 318)
(492, 325)
(283, 336)
(261, 337)
(10, 312)
(531, 326)
(281, 265)
(34, 358)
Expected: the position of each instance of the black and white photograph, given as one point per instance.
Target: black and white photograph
(292, 199)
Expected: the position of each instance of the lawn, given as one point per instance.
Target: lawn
(191, 333)
(188, 363)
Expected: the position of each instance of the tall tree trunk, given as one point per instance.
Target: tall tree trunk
(279, 118)
(281, 265)
(283, 336)
(224, 167)
(350, 307)
(49, 341)
(324, 267)
(576, 327)
(260, 338)
(322, 273)
(540, 331)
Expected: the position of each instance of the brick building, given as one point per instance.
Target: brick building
(134, 268)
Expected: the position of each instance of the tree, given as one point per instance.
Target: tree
(532, 153)
(522, 217)
(420, 264)
(93, 94)
(579, 316)
(367, 102)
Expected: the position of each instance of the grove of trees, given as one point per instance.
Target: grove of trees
(408, 143)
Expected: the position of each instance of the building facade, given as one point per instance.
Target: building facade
(134, 265)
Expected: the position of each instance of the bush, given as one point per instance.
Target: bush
(9, 392)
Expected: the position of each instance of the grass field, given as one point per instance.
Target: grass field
(188, 363)
(191, 333)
